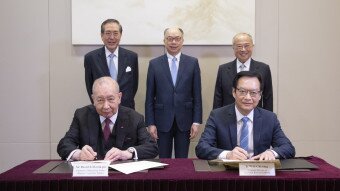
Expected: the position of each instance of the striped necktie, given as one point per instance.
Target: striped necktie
(244, 134)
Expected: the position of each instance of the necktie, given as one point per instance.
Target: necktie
(173, 70)
(244, 134)
(112, 67)
(242, 67)
(106, 130)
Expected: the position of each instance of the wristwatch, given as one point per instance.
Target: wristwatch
(132, 151)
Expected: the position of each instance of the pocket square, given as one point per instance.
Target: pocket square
(128, 69)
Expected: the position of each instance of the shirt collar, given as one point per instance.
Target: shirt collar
(246, 63)
(113, 118)
(108, 53)
(239, 116)
(170, 57)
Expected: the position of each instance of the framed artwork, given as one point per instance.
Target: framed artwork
(144, 21)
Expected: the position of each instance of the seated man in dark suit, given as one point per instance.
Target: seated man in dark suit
(106, 130)
(242, 130)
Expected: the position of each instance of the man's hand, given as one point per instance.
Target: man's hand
(87, 153)
(117, 154)
(153, 131)
(266, 155)
(237, 154)
(194, 131)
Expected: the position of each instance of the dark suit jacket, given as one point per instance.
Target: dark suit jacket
(224, 84)
(130, 131)
(96, 66)
(220, 134)
(164, 101)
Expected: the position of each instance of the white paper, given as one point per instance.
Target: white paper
(131, 167)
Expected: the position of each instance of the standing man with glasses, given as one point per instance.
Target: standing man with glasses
(173, 105)
(243, 49)
(106, 130)
(112, 60)
(242, 130)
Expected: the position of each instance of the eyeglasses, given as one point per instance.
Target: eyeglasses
(242, 46)
(111, 33)
(171, 39)
(252, 93)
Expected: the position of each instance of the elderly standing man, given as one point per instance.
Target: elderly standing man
(243, 50)
(106, 130)
(112, 60)
(173, 105)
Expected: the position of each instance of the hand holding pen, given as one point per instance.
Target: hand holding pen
(88, 154)
(238, 154)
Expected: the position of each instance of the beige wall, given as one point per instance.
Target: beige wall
(42, 74)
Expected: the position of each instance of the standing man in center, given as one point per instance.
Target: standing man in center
(112, 60)
(173, 105)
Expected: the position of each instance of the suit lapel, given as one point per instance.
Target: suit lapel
(121, 63)
(181, 69)
(93, 127)
(232, 69)
(254, 66)
(166, 68)
(257, 127)
(232, 125)
(103, 62)
(121, 125)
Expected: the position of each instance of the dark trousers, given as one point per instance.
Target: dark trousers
(181, 142)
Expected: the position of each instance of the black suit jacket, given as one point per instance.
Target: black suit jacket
(96, 66)
(224, 84)
(129, 131)
(220, 134)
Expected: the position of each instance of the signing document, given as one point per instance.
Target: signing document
(131, 167)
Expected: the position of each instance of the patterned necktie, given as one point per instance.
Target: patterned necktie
(112, 67)
(244, 134)
(242, 67)
(173, 70)
(106, 130)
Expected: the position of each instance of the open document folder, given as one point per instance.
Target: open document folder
(130, 167)
(235, 163)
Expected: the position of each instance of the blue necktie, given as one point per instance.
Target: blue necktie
(244, 134)
(112, 68)
(174, 70)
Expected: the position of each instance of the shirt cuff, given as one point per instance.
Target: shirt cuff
(135, 151)
(223, 155)
(70, 156)
(275, 153)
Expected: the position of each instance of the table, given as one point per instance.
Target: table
(178, 175)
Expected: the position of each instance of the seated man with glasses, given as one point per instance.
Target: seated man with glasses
(242, 130)
(106, 130)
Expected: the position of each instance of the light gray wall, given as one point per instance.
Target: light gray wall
(42, 74)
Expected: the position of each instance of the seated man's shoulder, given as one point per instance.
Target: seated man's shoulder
(86, 109)
(265, 113)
